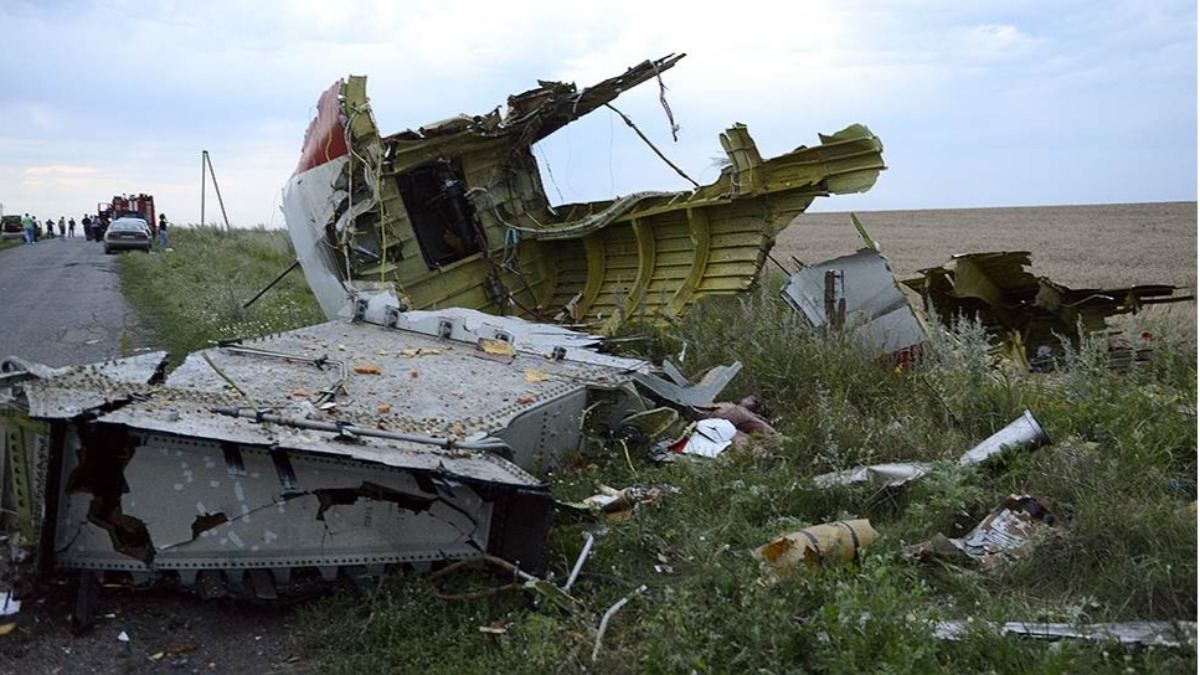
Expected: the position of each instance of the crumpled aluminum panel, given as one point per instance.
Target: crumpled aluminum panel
(62, 393)
(877, 312)
(270, 520)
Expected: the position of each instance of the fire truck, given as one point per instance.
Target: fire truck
(136, 206)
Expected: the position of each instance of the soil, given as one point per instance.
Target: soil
(168, 631)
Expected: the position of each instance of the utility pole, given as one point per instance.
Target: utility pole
(206, 162)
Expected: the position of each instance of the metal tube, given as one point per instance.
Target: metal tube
(1023, 432)
(272, 284)
(445, 443)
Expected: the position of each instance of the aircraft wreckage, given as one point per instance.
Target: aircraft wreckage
(410, 429)
(454, 214)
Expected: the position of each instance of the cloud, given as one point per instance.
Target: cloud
(959, 92)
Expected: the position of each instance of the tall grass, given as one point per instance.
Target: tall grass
(1119, 476)
(193, 295)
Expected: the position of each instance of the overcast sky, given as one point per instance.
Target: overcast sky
(984, 103)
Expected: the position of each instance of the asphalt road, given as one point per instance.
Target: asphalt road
(61, 304)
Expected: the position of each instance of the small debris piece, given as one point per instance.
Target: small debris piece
(1024, 432)
(182, 648)
(9, 606)
(1171, 634)
(608, 615)
(414, 374)
(525, 400)
(709, 438)
(493, 630)
(157, 656)
(533, 375)
(421, 351)
(496, 347)
(6, 628)
(458, 429)
(618, 505)
(882, 475)
(383, 408)
(1008, 530)
(368, 370)
(299, 393)
(835, 542)
(123, 637)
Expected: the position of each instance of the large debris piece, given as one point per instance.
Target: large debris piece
(454, 214)
(260, 467)
(1029, 314)
(858, 293)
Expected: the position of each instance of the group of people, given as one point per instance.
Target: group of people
(93, 228)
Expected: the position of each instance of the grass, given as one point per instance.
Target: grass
(10, 243)
(193, 295)
(1120, 473)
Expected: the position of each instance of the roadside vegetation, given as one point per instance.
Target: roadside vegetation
(193, 295)
(1120, 474)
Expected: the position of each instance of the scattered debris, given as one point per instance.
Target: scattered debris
(608, 615)
(1022, 433)
(587, 549)
(680, 391)
(1007, 531)
(1028, 315)
(882, 475)
(828, 543)
(1170, 634)
(533, 375)
(368, 370)
(420, 351)
(708, 438)
(618, 505)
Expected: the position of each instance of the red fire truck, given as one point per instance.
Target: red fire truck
(137, 206)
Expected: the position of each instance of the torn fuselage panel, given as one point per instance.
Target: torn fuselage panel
(455, 215)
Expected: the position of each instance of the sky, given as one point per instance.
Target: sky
(984, 103)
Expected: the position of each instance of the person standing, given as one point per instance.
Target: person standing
(97, 228)
(162, 231)
(87, 227)
(49, 228)
(71, 227)
(62, 226)
(27, 224)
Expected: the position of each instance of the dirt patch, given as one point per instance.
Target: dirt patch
(168, 632)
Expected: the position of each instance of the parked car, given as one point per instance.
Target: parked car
(127, 233)
(11, 228)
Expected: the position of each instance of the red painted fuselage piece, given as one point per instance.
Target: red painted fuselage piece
(326, 135)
